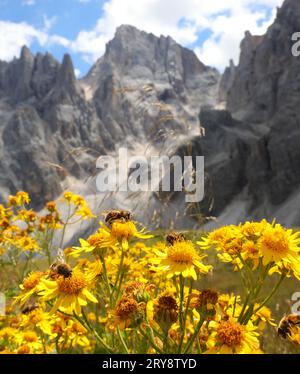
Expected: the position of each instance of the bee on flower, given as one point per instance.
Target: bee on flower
(121, 227)
(71, 293)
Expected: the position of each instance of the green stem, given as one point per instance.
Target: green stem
(117, 285)
(122, 340)
(106, 279)
(185, 316)
(151, 342)
(274, 290)
(190, 343)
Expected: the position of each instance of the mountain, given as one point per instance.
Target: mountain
(141, 79)
(252, 149)
(53, 127)
(155, 97)
(44, 118)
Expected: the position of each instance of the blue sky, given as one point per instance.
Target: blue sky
(83, 27)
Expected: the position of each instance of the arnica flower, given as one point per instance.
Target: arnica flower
(81, 206)
(204, 301)
(26, 243)
(229, 336)
(250, 251)
(27, 216)
(277, 243)
(165, 310)
(123, 231)
(138, 290)
(37, 318)
(8, 332)
(29, 287)
(21, 198)
(181, 258)
(96, 243)
(253, 230)
(71, 293)
(29, 340)
(128, 312)
(219, 238)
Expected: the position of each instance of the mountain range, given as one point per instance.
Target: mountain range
(154, 96)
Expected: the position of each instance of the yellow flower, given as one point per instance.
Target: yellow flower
(95, 243)
(37, 318)
(123, 231)
(181, 258)
(29, 342)
(229, 336)
(205, 300)
(277, 243)
(27, 243)
(19, 199)
(82, 208)
(165, 310)
(70, 293)
(252, 230)
(250, 251)
(128, 312)
(227, 239)
(29, 287)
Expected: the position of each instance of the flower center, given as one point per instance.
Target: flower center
(275, 240)
(30, 337)
(126, 307)
(32, 280)
(182, 253)
(167, 302)
(123, 229)
(73, 284)
(166, 310)
(230, 333)
(98, 239)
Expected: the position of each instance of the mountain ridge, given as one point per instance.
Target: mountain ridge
(149, 93)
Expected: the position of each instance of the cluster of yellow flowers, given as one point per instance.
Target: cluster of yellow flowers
(122, 291)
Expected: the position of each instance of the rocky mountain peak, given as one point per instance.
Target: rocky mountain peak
(66, 73)
(26, 55)
(66, 89)
(140, 67)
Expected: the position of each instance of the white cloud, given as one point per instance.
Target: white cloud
(181, 19)
(14, 35)
(227, 35)
(49, 22)
(77, 73)
(28, 2)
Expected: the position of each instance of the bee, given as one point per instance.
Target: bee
(287, 322)
(174, 237)
(60, 267)
(114, 215)
(30, 308)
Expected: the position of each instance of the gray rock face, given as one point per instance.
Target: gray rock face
(53, 126)
(253, 162)
(140, 77)
(45, 119)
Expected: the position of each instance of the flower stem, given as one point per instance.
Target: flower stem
(190, 343)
